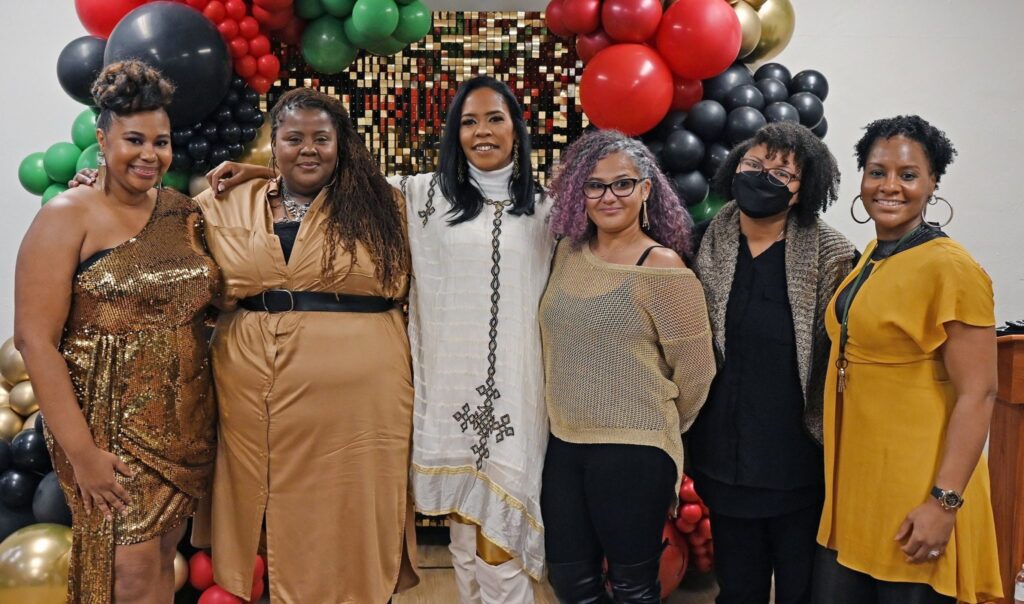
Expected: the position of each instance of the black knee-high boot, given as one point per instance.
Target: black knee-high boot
(578, 582)
(635, 583)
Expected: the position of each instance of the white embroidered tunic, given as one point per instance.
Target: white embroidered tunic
(480, 424)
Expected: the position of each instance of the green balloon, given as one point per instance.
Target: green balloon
(32, 174)
(59, 161)
(385, 47)
(52, 191)
(404, 2)
(83, 129)
(309, 9)
(177, 181)
(90, 158)
(338, 8)
(325, 46)
(375, 18)
(414, 22)
(355, 36)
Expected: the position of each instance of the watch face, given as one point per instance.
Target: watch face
(951, 499)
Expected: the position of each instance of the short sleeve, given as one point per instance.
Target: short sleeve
(962, 292)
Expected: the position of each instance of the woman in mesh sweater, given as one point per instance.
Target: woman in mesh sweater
(628, 361)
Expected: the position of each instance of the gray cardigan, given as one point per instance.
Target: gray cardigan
(818, 257)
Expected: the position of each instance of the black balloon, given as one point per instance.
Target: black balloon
(187, 49)
(219, 154)
(691, 187)
(249, 133)
(237, 82)
(78, 65)
(231, 98)
(12, 520)
(672, 121)
(229, 133)
(258, 120)
(39, 423)
(713, 158)
(683, 151)
(17, 488)
(209, 132)
(656, 147)
(746, 95)
(245, 113)
(821, 129)
(235, 150)
(180, 136)
(811, 81)
(743, 123)
(719, 86)
(180, 161)
(223, 114)
(201, 167)
(781, 112)
(29, 452)
(198, 148)
(809, 107)
(48, 503)
(773, 90)
(707, 120)
(5, 455)
(773, 70)
(251, 97)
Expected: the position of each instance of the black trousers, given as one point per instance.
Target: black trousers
(836, 584)
(605, 500)
(748, 551)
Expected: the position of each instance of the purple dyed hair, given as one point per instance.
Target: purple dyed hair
(671, 225)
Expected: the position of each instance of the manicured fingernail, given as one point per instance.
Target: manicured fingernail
(220, 187)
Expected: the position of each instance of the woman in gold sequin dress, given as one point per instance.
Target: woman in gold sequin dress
(111, 288)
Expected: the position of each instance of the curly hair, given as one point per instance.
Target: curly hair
(128, 87)
(467, 199)
(936, 145)
(819, 172)
(671, 225)
(361, 204)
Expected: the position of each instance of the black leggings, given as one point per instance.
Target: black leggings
(605, 500)
(833, 583)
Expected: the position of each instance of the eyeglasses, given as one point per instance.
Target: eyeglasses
(776, 176)
(624, 187)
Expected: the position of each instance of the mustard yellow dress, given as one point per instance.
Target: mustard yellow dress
(885, 436)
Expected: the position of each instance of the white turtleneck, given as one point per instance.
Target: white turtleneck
(493, 184)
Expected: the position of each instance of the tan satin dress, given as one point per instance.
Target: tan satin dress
(315, 420)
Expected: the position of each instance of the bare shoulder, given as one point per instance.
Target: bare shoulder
(663, 257)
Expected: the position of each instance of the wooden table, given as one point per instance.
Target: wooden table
(1006, 460)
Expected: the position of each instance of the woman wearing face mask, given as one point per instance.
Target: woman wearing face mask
(111, 290)
(627, 362)
(908, 400)
(769, 266)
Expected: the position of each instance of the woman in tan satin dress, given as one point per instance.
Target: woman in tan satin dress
(315, 392)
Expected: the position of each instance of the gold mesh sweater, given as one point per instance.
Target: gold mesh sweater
(627, 352)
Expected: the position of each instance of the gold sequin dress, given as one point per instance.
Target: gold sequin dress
(136, 353)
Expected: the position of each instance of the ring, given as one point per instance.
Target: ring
(934, 554)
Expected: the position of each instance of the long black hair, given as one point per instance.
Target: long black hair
(467, 201)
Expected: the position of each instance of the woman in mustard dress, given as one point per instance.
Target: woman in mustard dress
(111, 290)
(911, 384)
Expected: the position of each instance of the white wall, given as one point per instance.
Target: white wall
(955, 62)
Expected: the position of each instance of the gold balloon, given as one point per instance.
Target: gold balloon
(23, 399)
(5, 395)
(11, 363)
(750, 23)
(180, 571)
(10, 425)
(34, 565)
(755, 4)
(258, 151)
(197, 184)
(30, 422)
(778, 20)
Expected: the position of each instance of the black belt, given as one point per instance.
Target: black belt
(283, 300)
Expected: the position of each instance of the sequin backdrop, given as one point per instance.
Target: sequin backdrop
(398, 102)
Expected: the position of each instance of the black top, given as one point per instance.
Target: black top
(91, 260)
(286, 232)
(751, 454)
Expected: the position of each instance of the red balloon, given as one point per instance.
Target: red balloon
(101, 16)
(699, 39)
(258, 568)
(672, 566)
(235, 9)
(272, 20)
(630, 20)
(704, 528)
(260, 84)
(259, 46)
(218, 595)
(291, 34)
(690, 513)
(687, 94)
(249, 27)
(228, 29)
(703, 564)
(257, 591)
(200, 570)
(246, 66)
(581, 16)
(588, 45)
(553, 16)
(686, 490)
(238, 47)
(215, 12)
(273, 5)
(269, 67)
(626, 75)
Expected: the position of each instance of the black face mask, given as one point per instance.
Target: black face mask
(757, 197)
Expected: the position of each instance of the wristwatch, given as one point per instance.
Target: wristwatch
(949, 500)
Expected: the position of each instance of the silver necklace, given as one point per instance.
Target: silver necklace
(295, 209)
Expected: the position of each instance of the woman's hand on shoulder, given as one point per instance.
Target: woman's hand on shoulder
(230, 174)
(85, 176)
(663, 257)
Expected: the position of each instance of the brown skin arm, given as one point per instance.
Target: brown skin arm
(230, 174)
(47, 260)
(969, 355)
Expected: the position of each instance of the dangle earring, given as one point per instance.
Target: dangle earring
(644, 223)
(515, 161)
(101, 171)
(854, 216)
(935, 199)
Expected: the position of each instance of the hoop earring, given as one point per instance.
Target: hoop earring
(854, 216)
(515, 161)
(935, 199)
(644, 223)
